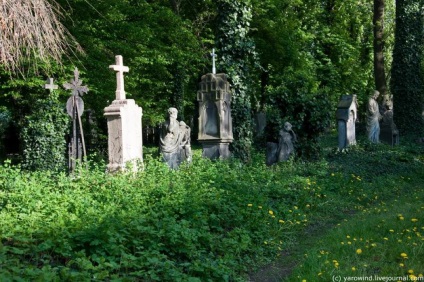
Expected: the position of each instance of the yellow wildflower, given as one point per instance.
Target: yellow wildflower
(270, 212)
(359, 251)
(249, 205)
(404, 255)
(414, 220)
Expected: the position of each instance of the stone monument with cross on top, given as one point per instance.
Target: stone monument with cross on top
(215, 122)
(125, 147)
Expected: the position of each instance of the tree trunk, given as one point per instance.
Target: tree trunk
(379, 72)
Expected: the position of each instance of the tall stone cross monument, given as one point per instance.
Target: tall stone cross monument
(75, 108)
(125, 145)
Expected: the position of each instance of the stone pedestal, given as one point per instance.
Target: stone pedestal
(124, 135)
(215, 123)
(346, 117)
(389, 133)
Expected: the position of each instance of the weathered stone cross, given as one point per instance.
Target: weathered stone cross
(75, 85)
(120, 69)
(213, 55)
(50, 85)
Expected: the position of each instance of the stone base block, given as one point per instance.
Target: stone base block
(215, 150)
(390, 137)
(125, 145)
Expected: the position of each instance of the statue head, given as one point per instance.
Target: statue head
(287, 126)
(173, 113)
(376, 94)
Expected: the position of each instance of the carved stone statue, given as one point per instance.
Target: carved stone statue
(175, 140)
(284, 149)
(373, 118)
(285, 142)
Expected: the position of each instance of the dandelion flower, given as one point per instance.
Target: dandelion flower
(411, 271)
(414, 220)
(249, 205)
(270, 212)
(353, 268)
(359, 251)
(281, 221)
(404, 255)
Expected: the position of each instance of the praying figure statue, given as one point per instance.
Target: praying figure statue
(373, 118)
(285, 142)
(284, 149)
(175, 140)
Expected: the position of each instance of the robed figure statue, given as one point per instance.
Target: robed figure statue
(175, 140)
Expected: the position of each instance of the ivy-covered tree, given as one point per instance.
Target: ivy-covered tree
(379, 66)
(237, 54)
(407, 83)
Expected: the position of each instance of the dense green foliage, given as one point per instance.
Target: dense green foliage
(211, 221)
(290, 59)
(407, 76)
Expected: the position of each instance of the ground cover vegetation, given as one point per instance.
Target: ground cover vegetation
(212, 221)
(215, 221)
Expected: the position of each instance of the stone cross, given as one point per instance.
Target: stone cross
(75, 85)
(50, 85)
(120, 69)
(213, 55)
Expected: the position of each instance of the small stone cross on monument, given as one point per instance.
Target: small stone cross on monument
(50, 85)
(75, 85)
(120, 69)
(213, 55)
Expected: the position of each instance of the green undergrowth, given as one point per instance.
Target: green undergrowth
(208, 221)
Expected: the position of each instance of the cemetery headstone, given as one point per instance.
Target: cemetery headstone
(389, 133)
(75, 108)
(284, 149)
(260, 123)
(215, 122)
(175, 140)
(346, 115)
(373, 118)
(125, 145)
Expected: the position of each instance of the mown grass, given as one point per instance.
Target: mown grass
(381, 241)
(210, 221)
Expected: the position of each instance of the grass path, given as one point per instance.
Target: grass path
(383, 241)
